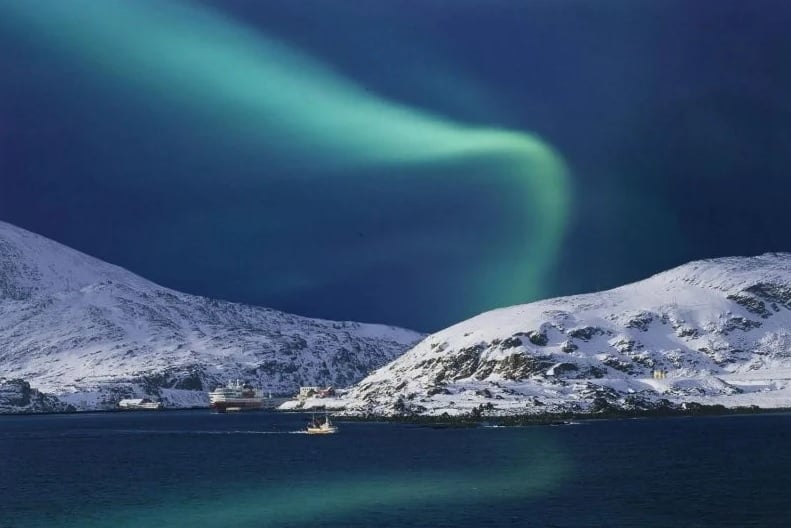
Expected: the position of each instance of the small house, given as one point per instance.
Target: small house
(307, 392)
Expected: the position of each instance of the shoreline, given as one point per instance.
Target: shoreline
(446, 421)
(565, 418)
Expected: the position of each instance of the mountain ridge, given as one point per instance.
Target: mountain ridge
(710, 331)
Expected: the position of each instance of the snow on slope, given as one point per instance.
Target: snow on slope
(92, 333)
(719, 329)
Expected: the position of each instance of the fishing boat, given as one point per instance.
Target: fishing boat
(321, 427)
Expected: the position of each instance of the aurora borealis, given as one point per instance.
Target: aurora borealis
(388, 163)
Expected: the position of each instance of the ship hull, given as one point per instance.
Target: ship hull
(142, 407)
(236, 405)
(320, 430)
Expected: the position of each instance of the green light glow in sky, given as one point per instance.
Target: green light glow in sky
(270, 96)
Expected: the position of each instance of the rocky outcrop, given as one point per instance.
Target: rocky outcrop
(17, 397)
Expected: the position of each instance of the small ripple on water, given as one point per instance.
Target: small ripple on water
(111, 432)
(177, 432)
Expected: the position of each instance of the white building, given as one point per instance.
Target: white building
(139, 403)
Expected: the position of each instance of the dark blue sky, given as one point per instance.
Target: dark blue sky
(673, 117)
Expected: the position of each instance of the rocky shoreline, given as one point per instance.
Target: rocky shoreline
(564, 418)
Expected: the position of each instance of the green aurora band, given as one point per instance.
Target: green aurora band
(272, 97)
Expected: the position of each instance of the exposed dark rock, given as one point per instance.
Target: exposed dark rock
(439, 377)
(465, 362)
(511, 342)
(638, 402)
(537, 338)
(776, 293)
(740, 323)
(627, 345)
(153, 382)
(193, 381)
(564, 368)
(485, 369)
(595, 372)
(426, 363)
(687, 332)
(617, 364)
(751, 304)
(521, 366)
(399, 405)
(640, 321)
(16, 396)
(585, 333)
(601, 405)
(644, 360)
(602, 398)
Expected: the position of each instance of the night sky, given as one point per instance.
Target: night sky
(404, 162)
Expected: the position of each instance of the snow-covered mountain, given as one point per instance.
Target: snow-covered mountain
(92, 333)
(715, 331)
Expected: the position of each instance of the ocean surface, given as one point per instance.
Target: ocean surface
(197, 469)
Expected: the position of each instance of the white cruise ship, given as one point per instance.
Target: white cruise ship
(235, 396)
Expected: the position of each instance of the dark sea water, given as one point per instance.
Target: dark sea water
(196, 469)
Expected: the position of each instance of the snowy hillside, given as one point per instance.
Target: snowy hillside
(715, 331)
(92, 333)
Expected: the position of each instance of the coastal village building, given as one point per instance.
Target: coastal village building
(307, 392)
(139, 403)
(317, 392)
